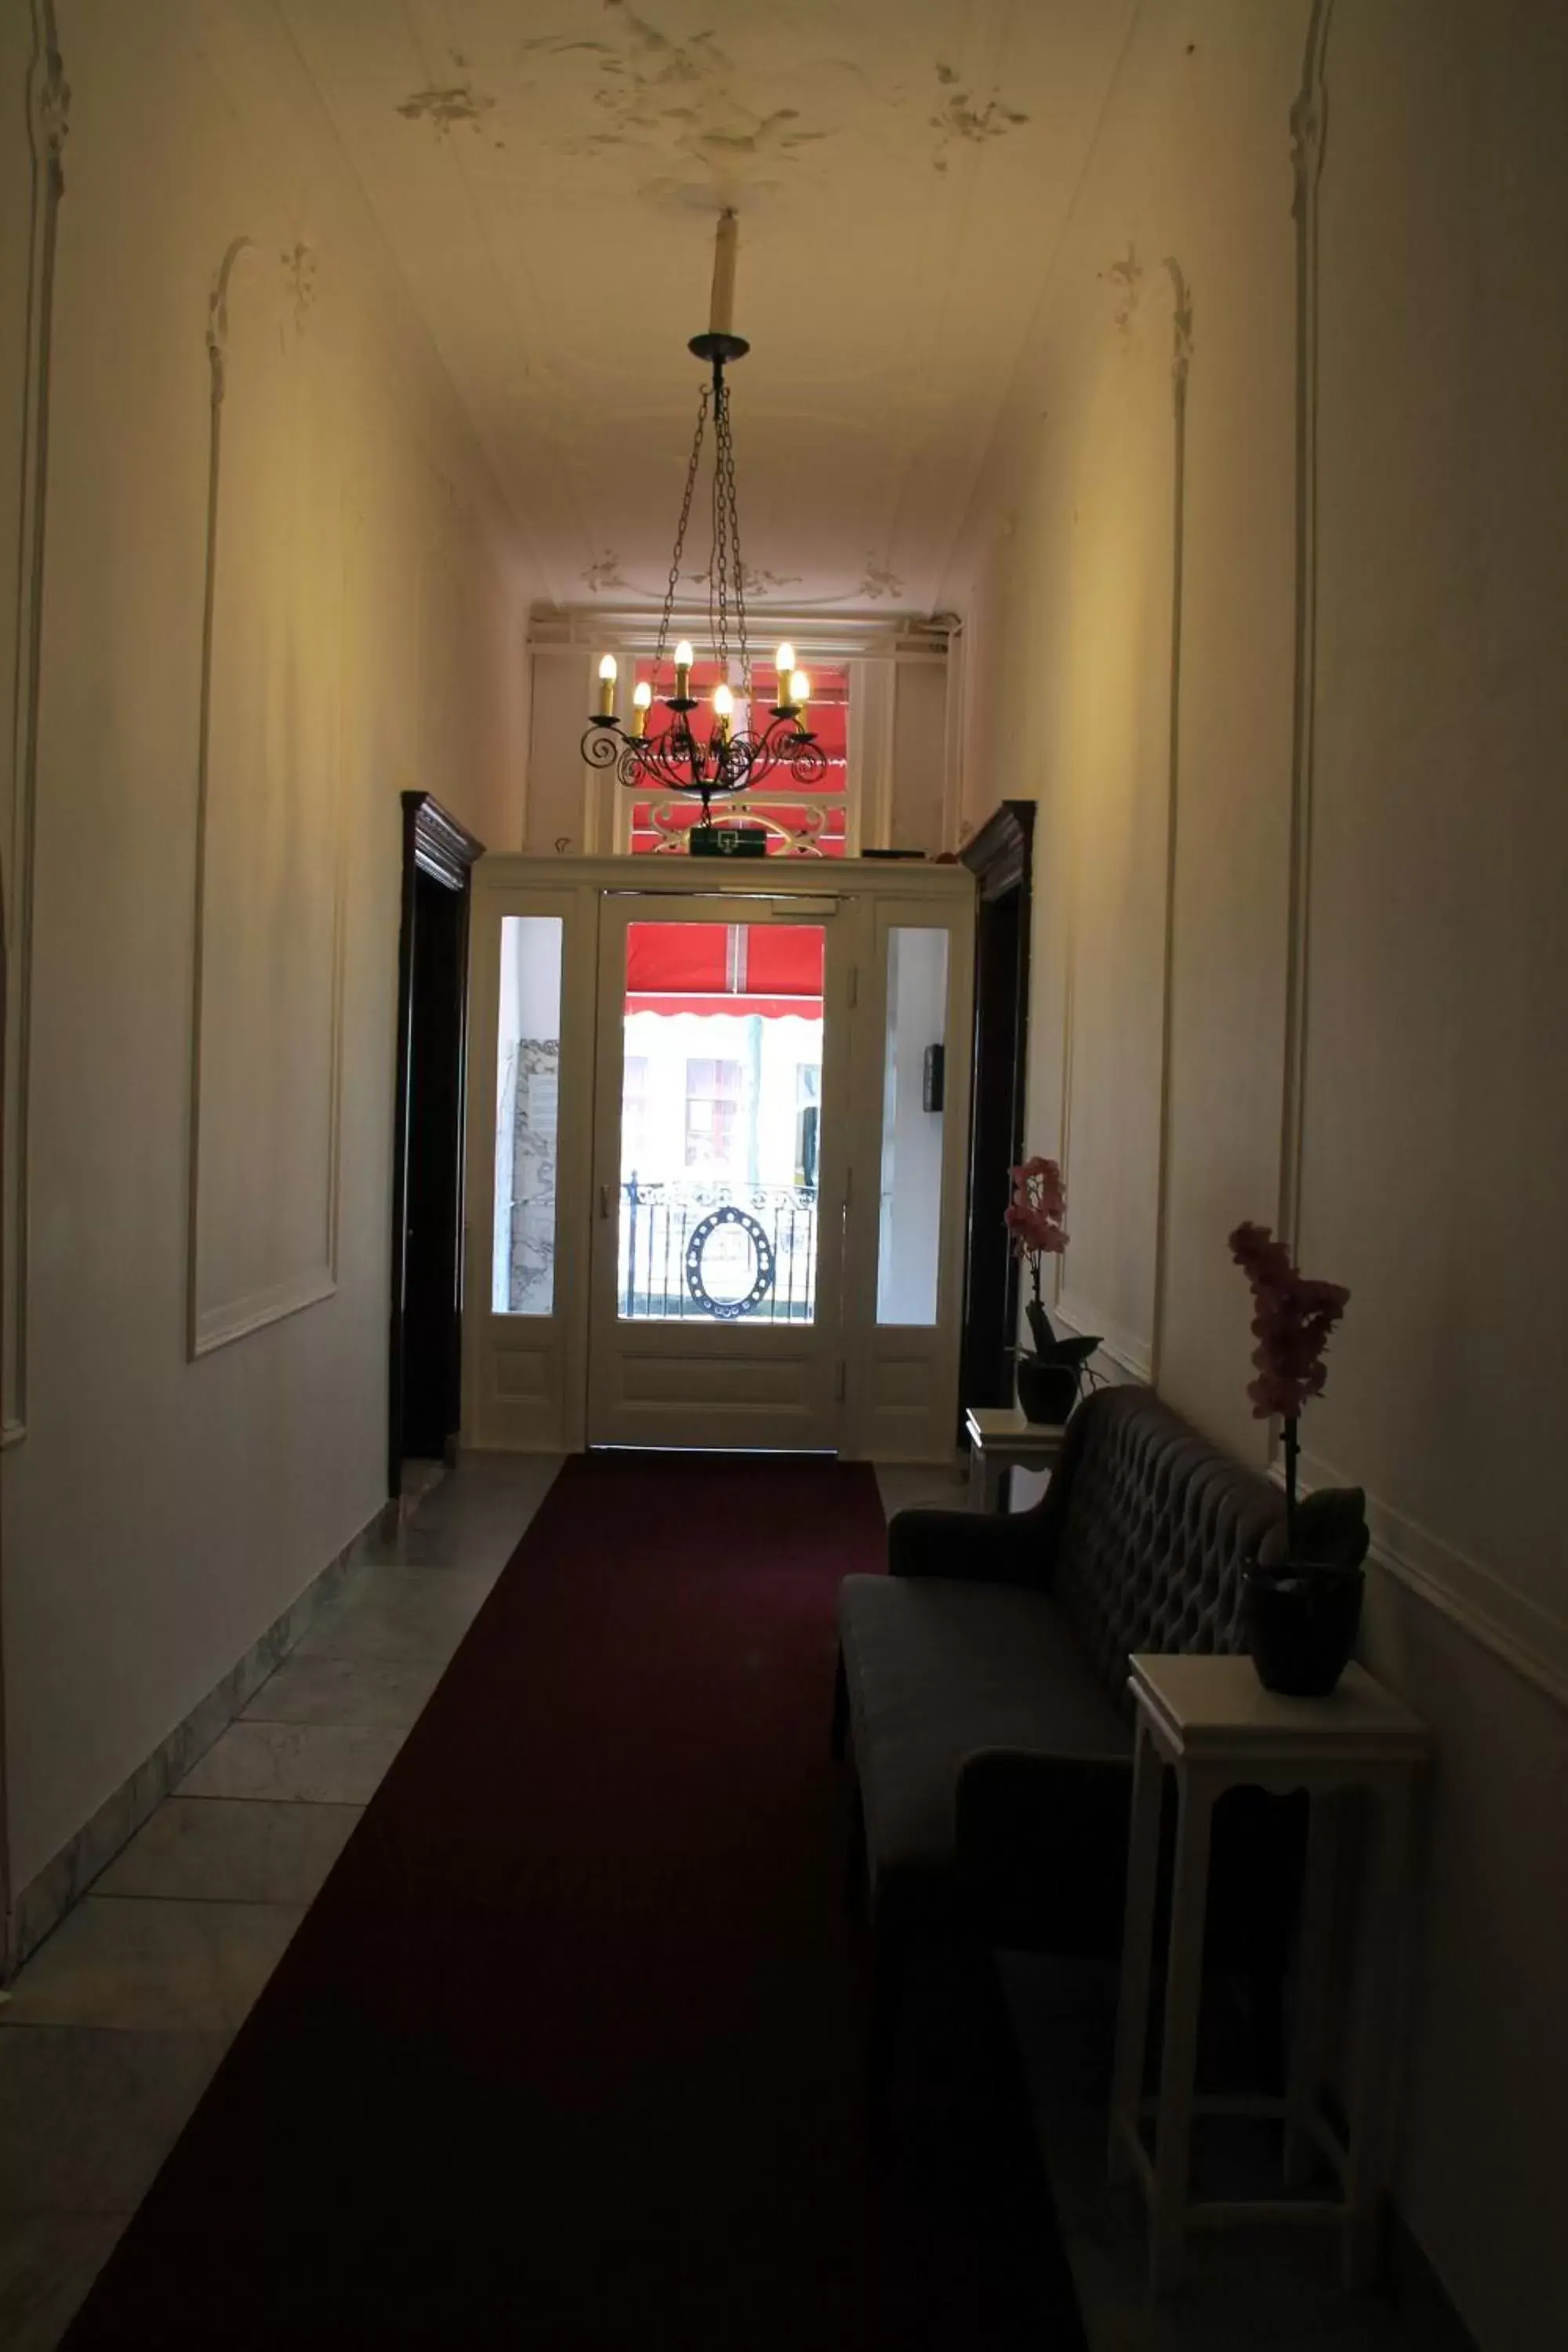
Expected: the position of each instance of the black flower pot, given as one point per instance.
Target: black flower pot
(1047, 1392)
(1301, 1622)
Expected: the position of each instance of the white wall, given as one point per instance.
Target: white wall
(1407, 815)
(367, 637)
(919, 756)
(559, 807)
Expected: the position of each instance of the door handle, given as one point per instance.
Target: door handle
(603, 1200)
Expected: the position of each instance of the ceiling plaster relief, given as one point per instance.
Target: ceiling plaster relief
(629, 123)
(878, 582)
(459, 105)
(653, 89)
(960, 117)
(1124, 280)
(758, 581)
(604, 572)
(301, 272)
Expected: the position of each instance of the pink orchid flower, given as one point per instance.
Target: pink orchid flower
(1295, 1316)
(1035, 1212)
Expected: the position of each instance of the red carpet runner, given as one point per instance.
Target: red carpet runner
(569, 2051)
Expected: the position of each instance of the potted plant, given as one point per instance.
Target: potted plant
(1302, 1595)
(1050, 1377)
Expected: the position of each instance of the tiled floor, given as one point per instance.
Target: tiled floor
(115, 2026)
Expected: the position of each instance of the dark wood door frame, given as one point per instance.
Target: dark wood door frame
(1000, 856)
(436, 847)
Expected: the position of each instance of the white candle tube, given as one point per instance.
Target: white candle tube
(721, 309)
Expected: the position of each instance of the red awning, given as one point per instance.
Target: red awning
(772, 969)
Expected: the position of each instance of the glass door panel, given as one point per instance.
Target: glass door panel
(529, 1139)
(715, 1309)
(906, 1226)
(908, 1236)
(721, 1093)
(528, 1096)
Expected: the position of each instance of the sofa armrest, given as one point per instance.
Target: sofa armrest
(1042, 1849)
(973, 1547)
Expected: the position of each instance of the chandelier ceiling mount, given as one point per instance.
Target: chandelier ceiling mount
(678, 757)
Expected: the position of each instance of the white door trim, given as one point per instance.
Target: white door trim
(525, 1378)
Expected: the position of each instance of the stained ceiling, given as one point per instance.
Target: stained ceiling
(547, 174)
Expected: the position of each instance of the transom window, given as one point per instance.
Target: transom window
(801, 820)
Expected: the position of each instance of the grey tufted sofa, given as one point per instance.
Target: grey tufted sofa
(983, 1682)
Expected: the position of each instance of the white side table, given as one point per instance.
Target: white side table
(1000, 1439)
(1212, 1720)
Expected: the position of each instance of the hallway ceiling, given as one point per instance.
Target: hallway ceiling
(547, 174)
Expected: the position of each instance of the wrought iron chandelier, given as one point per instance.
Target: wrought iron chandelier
(678, 757)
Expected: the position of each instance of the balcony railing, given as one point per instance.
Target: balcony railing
(714, 1251)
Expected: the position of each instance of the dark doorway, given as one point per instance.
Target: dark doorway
(425, 1386)
(999, 856)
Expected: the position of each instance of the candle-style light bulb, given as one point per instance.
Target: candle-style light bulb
(683, 669)
(724, 706)
(783, 663)
(608, 687)
(799, 690)
(642, 703)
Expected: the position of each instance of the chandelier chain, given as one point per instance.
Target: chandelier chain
(669, 594)
(719, 550)
(724, 467)
(736, 753)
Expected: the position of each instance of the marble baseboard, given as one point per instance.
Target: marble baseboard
(43, 1904)
(421, 1476)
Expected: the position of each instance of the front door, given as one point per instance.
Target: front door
(719, 1149)
(716, 1156)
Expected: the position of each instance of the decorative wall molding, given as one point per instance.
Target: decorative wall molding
(1123, 282)
(999, 853)
(1308, 119)
(437, 843)
(1131, 1355)
(566, 629)
(218, 365)
(1134, 1354)
(48, 94)
(878, 583)
(1181, 365)
(1530, 1640)
(212, 1321)
(48, 122)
